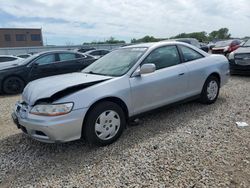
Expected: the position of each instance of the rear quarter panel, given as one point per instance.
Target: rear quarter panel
(199, 70)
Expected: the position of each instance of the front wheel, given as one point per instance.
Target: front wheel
(13, 85)
(104, 124)
(210, 90)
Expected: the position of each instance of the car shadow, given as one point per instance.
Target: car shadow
(21, 154)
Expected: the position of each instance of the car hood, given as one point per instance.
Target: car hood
(55, 87)
(10, 64)
(242, 50)
(220, 47)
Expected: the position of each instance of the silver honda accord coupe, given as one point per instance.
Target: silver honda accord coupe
(97, 103)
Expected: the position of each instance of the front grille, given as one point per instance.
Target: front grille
(40, 133)
(218, 51)
(242, 59)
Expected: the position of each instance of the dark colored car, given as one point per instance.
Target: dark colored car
(204, 47)
(193, 42)
(239, 60)
(83, 50)
(226, 47)
(15, 75)
(97, 53)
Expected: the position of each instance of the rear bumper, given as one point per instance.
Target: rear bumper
(52, 129)
(239, 69)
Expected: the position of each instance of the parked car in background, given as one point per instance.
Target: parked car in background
(97, 53)
(97, 102)
(14, 76)
(226, 47)
(204, 47)
(193, 42)
(240, 60)
(7, 58)
(211, 45)
(83, 50)
(24, 55)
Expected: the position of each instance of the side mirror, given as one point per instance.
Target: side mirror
(145, 69)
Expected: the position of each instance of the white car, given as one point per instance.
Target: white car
(98, 102)
(7, 58)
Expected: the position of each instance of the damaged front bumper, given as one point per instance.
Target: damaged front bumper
(48, 129)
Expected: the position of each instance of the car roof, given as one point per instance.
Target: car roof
(23, 54)
(96, 50)
(56, 51)
(155, 44)
(193, 39)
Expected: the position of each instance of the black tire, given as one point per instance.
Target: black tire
(205, 99)
(13, 85)
(89, 130)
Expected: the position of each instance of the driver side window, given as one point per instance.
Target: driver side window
(163, 57)
(47, 59)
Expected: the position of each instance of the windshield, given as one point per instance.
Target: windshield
(247, 43)
(223, 43)
(27, 60)
(116, 63)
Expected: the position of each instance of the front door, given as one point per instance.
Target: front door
(43, 67)
(166, 85)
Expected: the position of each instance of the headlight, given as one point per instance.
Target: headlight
(226, 49)
(231, 56)
(52, 109)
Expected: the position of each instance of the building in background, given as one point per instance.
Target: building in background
(20, 37)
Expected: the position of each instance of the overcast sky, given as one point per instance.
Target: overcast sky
(78, 21)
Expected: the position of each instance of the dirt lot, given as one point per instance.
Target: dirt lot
(189, 145)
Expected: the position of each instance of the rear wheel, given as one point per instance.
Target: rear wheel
(210, 90)
(104, 124)
(13, 85)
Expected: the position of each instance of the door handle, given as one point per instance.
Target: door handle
(181, 74)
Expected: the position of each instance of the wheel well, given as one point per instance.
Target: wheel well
(215, 74)
(116, 100)
(9, 76)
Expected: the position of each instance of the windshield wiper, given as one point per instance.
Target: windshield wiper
(90, 72)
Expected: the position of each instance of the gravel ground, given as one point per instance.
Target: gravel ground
(189, 145)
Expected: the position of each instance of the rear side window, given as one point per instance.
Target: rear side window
(190, 54)
(95, 53)
(163, 57)
(67, 56)
(47, 59)
(104, 52)
(79, 56)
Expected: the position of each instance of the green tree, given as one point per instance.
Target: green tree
(222, 33)
(200, 36)
(111, 40)
(145, 39)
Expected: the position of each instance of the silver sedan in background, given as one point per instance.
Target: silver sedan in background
(97, 103)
